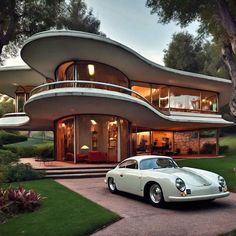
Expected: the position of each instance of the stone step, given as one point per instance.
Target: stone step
(75, 171)
(75, 176)
(77, 167)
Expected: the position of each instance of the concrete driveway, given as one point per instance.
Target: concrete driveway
(140, 218)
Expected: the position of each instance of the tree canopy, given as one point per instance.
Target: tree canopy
(20, 19)
(216, 17)
(189, 53)
(184, 53)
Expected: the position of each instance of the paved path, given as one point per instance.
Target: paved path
(139, 218)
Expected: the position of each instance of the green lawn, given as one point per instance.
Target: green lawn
(230, 141)
(222, 166)
(63, 212)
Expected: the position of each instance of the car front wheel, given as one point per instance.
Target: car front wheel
(112, 185)
(155, 195)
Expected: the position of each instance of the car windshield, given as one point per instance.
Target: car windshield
(157, 163)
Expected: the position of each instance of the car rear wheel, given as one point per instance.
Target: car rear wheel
(155, 195)
(112, 185)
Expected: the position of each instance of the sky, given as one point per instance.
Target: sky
(129, 22)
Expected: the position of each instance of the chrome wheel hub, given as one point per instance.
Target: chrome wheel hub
(155, 193)
(112, 184)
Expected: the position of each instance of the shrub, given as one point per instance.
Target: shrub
(44, 150)
(22, 151)
(7, 157)
(223, 149)
(21, 172)
(15, 200)
(208, 148)
(9, 137)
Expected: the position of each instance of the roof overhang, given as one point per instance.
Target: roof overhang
(46, 50)
(13, 76)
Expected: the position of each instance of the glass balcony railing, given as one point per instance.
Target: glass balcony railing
(91, 85)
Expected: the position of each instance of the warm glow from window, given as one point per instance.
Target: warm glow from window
(91, 69)
(63, 125)
(93, 122)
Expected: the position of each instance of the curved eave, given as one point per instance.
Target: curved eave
(13, 76)
(46, 50)
(21, 121)
(62, 102)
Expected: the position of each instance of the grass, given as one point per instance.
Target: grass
(222, 166)
(229, 141)
(63, 212)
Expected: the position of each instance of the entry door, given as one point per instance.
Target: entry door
(112, 140)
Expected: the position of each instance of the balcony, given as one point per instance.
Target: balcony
(52, 101)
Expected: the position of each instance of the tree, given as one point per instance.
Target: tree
(189, 53)
(20, 19)
(216, 17)
(184, 53)
(6, 105)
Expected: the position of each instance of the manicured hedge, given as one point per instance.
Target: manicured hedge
(11, 137)
(7, 157)
(44, 150)
(21, 172)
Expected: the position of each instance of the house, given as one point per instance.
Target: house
(106, 102)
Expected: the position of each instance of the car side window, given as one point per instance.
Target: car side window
(132, 164)
(123, 164)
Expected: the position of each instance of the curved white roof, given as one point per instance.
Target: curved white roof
(13, 76)
(46, 50)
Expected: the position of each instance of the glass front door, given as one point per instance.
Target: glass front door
(65, 140)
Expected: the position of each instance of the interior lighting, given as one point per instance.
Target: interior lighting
(91, 69)
(93, 122)
(84, 147)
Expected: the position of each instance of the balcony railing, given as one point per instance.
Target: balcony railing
(91, 84)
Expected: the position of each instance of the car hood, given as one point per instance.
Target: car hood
(188, 175)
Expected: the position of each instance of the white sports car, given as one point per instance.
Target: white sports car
(160, 180)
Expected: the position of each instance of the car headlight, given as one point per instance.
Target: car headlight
(180, 185)
(221, 181)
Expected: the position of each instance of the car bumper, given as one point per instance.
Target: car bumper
(197, 198)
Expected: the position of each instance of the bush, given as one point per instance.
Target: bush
(22, 151)
(21, 172)
(15, 200)
(208, 148)
(9, 137)
(44, 150)
(7, 157)
(224, 149)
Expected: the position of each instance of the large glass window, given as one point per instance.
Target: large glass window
(209, 102)
(91, 71)
(187, 99)
(20, 101)
(177, 98)
(144, 91)
(22, 95)
(92, 138)
(164, 97)
(65, 139)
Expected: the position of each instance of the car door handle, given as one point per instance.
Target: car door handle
(121, 175)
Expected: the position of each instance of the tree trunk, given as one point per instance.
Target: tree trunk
(229, 25)
(228, 22)
(230, 62)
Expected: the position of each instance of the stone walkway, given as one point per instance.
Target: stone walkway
(140, 218)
